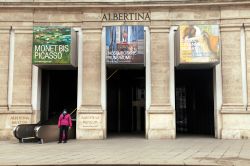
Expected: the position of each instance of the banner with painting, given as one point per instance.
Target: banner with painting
(198, 44)
(125, 45)
(53, 45)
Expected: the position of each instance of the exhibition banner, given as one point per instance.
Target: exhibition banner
(125, 45)
(51, 45)
(199, 44)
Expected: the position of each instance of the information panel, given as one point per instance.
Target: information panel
(125, 45)
(198, 44)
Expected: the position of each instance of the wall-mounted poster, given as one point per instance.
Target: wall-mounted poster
(198, 44)
(53, 45)
(125, 45)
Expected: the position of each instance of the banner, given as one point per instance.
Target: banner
(199, 44)
(51, 45)
(125, 45)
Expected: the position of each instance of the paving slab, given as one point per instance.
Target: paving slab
(128, 151)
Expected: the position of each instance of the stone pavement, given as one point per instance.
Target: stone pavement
(128, 151)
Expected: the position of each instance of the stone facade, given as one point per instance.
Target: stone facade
(17, 18)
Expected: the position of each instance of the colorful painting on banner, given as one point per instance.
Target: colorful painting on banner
(51, 45)
(199, 44)
(125, 45)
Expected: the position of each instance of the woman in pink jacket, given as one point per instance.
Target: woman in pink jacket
(64, 122)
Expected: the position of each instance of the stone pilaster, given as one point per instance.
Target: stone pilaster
(91, 118)
(22, 68)
(4, 60)
(233, 111)
(231, 67)
(20, 107)
(4, 66)
(160, 116)
(247, 45)
(19, 111)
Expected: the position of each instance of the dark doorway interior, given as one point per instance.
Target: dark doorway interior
(125, 101)
(59, 90)
(194, 102)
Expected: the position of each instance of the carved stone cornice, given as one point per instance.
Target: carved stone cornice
(118, 3)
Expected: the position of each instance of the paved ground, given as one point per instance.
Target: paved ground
(130, 151)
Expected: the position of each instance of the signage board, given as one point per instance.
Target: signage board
(198, 44)
(125, 45)
(53, 45)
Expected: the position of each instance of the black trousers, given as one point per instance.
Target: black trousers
(65, 130)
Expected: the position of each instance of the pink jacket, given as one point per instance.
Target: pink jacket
(66, 120)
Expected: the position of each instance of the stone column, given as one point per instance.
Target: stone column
(160, 116)
(233, 110)
(90, 117)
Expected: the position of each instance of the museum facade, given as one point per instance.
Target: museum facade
(160, 69)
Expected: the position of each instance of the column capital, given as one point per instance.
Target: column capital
(158, 109)
(232, 108)
(247, 26)
(5, 29)
(230, 27)
(159, 29)
(90, 109)
(91, 29)
(22, 109)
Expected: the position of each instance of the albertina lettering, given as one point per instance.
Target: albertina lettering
(126, 17)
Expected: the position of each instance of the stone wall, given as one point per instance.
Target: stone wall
(91, 122)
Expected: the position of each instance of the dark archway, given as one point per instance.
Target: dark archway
(194, 102)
